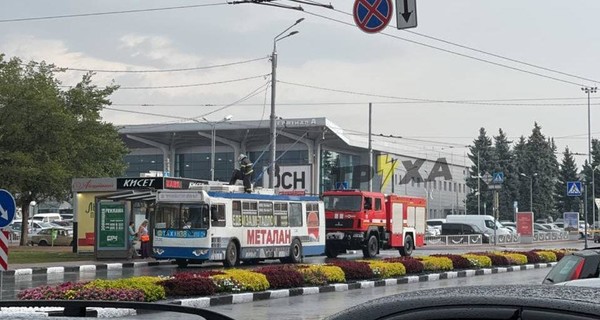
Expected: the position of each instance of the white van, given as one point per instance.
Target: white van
(47, 217)
(485, 223)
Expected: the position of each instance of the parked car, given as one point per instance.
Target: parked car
(459, 228)
(436, 223)
(538, 227)
(553, 226)
(485, 222)
(432, 231)
(590, 282)
(47, 217)
(578, 265)
(44, 237)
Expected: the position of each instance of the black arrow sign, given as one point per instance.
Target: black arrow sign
(406, 14)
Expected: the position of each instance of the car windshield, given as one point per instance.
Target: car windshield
(343, 203)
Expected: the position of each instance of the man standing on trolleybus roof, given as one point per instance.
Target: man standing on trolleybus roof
(244, 173)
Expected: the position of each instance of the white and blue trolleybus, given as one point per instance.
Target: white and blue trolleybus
(221, 223)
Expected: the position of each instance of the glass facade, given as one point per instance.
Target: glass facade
(197, 165)
(337, 167)
(138, 164)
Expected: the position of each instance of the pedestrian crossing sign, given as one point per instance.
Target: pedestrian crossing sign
(574, 188)
(498, 178)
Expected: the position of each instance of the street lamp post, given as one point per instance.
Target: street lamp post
(213, 125)
(588, 91)
(530, 190)
(273, 96)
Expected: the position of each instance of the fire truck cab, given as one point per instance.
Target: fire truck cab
(370, 221)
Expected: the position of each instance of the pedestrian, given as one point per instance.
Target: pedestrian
(145, 239)
(132, 237)
(244, 173)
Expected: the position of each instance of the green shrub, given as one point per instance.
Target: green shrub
(148, 285)
(478, 261)
(333, 274)
(515, 258)
(547, 256)
(384, 269)
(436, 263)
(245, 280)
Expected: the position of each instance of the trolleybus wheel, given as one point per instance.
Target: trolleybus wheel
(296, 251)
(408, 246)
(231, 255)
(372, 247)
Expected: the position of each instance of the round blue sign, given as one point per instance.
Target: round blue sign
(8, 208)
(372, 16)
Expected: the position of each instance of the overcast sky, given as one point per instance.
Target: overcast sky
(558, 35)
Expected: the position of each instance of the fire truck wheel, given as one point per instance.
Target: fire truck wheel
(296, 251)
(231, 255)
(408, 246)
(372, 247)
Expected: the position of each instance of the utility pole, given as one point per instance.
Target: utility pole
(273, 116)
(478, 186)
(371, 147)
(588, 91)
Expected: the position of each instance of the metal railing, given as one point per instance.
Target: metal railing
(550, 236)
(455, 240)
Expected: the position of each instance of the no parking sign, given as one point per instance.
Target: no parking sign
(372, 16)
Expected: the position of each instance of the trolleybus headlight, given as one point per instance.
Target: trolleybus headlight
(199, 252)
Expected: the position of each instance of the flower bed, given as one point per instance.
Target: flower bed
(206, 283)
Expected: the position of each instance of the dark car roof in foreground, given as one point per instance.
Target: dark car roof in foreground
(559, 298)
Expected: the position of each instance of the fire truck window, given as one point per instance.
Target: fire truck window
(368, 203)
(378, 204)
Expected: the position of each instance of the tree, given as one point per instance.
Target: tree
(567, 172)
(481, 157)
(587, 173)
(540, 170)
(504, 162)
(49, 136)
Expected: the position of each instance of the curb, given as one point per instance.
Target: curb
(84, 268)
(206, 302)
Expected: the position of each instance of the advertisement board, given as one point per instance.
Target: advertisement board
(525, 224)
(291, 180)
(112, 225)
(571, 221)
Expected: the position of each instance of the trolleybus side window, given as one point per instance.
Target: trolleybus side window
(167, 216)
(295, 215)
(249, 214)
(217, 215)
(236, 210)
(280, 214)
(265, 214)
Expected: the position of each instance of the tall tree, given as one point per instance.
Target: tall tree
(568, 172)
(587, 172)
(481, 157)
(540, 173)
(504, 162)
(48, 136)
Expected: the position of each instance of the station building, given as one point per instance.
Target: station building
(312, 155)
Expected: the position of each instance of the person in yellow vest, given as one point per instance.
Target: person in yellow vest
(244, 173)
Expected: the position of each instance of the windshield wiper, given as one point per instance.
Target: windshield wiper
(550, 280)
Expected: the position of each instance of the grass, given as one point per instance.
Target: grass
(23, 255)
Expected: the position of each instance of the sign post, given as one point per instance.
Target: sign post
(525, 226)
(111, 234)
(8, 208)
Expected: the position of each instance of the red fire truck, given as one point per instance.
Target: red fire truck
(371, 221)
